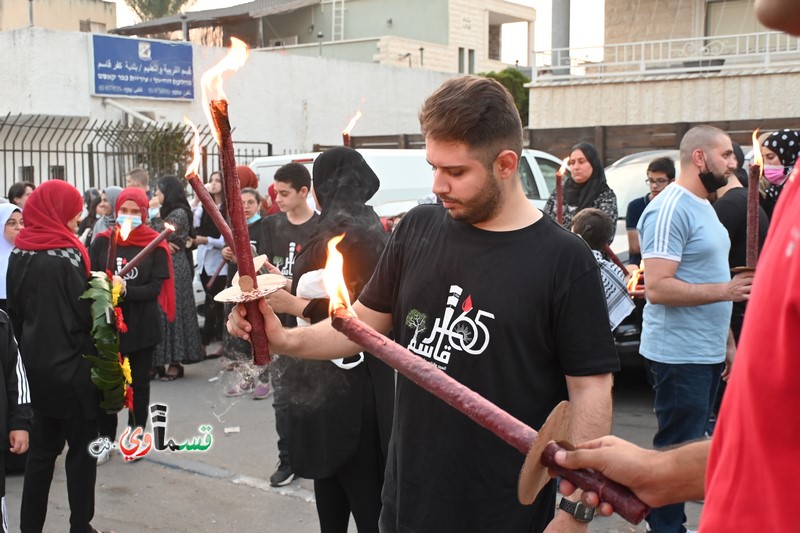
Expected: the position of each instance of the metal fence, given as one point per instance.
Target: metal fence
(98, 153)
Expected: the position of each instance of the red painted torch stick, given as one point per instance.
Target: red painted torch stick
(111, 259)
(241, 237)
(216, 107)
(479, 409)
(751, 243)
(485, 413)
(560, 192)
(349, 128)
(147, 250)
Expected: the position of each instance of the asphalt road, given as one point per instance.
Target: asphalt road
(225, 488)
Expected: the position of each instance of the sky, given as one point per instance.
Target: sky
(586, 20)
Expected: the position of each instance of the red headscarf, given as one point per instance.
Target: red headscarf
(141, 237)
(247, 178)
(273, 195)
(47, 211)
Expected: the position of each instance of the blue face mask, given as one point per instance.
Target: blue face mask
(136, 221)
(153, 212)
(253, 218)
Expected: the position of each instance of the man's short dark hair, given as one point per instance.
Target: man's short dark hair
(140, 176)
(17, 190)
(663, 164)
(295, 174)
(476, 111)
(595, 226)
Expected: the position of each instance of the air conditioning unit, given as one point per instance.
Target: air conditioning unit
(284, 41)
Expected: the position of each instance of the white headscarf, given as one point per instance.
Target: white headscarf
(6, 210)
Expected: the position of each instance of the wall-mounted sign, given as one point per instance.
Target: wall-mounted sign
(140, 68)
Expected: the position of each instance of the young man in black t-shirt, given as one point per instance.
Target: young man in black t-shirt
(282, 238)
(498, 296)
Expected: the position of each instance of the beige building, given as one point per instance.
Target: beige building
(457, 36)
(672, 61)
(96, 16)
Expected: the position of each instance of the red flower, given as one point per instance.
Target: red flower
(129, 397)
(121, 326)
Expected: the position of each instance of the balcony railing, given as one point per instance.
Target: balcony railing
(701, 55)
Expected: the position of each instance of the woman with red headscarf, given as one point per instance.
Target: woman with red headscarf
(147, 286)
(48, 272)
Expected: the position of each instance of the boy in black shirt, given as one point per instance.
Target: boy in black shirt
(282, 238)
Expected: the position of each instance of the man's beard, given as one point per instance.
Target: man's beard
(483, 206)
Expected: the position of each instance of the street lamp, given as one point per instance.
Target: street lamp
(319, 37)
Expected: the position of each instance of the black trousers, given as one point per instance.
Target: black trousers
(46, 444)
(355, 487)
(141, 362)
(215, 311)
(280, 403)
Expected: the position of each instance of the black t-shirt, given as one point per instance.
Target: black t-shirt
(635, 210)
(281, 240)
(140, 304)
(732, 212)
(506, 313)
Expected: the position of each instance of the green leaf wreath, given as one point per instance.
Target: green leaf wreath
(110, 372)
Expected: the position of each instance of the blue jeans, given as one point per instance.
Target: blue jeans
(684, 400)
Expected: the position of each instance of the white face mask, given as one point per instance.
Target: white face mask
(152, 213)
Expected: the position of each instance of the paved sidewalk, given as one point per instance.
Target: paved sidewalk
(226, 488)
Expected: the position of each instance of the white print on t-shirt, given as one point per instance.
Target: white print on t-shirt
(133, 274)
(286, 265)
(464, 333)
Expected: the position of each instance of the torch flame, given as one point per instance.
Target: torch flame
(334, 279)
(757, 159)
(211, 80)
(634, 281)
(126, 228)
(352, 123)
(563, 167)
(169, 226)
(194, 166)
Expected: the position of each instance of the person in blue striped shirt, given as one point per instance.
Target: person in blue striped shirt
(686, 328)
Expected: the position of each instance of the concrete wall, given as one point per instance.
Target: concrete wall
(647, 20)
(57, 14)
(293, 102)
(702, 99)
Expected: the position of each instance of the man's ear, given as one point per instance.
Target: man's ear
(303, 191)
(506, 164)
(699, 159)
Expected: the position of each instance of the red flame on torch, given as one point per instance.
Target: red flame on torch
(563, 167)
(757, 159)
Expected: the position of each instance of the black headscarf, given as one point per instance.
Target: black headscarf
(582, 195)
(343, 182)
(740, 172)
(786, 144)
(174, 198)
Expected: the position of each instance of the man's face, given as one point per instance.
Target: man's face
(657, 181)
(720, 159)
(287, 197)
(467, 189)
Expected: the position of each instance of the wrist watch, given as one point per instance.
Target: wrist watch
(579, 511)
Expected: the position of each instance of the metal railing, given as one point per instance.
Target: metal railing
(701, 55)
(98, 153)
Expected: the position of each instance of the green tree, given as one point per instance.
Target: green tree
(155, 9)
(514, 80)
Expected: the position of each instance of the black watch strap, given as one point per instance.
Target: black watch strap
(580, 512)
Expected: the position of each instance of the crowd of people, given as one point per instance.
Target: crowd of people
(378, 447)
